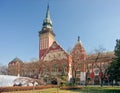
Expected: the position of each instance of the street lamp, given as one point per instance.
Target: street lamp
(101, 77)
(18, 65)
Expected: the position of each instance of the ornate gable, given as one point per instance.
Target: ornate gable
(55, 52)
(78, 52)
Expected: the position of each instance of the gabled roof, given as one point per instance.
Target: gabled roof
(103, 55)
(55, 51)
(16, 60)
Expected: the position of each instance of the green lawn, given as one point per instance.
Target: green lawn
(90, 89)
(50, 90)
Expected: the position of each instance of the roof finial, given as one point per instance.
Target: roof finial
(48, 12)
(78, 38)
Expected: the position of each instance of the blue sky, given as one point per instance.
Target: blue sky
(97, 22)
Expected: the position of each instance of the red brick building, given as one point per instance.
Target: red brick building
(55, 61)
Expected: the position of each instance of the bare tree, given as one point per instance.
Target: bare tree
(95, 61)
(52, 70)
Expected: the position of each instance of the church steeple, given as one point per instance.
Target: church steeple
(46, 35)
(47, 23)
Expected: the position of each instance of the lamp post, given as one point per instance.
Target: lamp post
(46, 77)
(92, 75)
(101, 77)
(18, 64)
(87, 73)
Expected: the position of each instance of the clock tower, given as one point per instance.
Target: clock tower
(46, 35)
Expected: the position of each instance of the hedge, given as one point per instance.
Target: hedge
(25, 88)
(70, 87)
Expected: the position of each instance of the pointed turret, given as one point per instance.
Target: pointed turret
(78, 52)
(47, 23)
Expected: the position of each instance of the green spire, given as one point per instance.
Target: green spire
(47, 21)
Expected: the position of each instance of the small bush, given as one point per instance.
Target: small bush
(62, 84)
(71, 84)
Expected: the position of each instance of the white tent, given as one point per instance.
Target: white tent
(6, 80)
